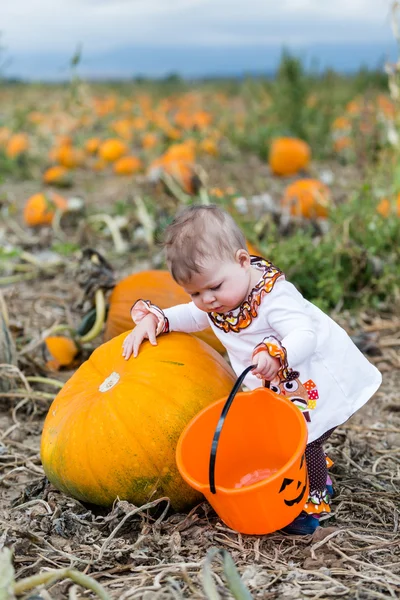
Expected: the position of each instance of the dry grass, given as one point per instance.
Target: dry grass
(147, 552)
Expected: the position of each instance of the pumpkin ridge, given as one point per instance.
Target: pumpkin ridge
(91, 469)
(124, 422)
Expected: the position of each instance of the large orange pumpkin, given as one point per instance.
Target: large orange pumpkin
(287, 156)
(157, 286)
(113, 428)
(308, 198)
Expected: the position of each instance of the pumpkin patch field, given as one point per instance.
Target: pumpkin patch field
(91, 502)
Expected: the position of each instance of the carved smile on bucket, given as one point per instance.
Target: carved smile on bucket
(288, 483)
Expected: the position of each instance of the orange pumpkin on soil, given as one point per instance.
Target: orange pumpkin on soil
(156, 286)
(57, 175)
(68, 157)
(113, 428)
(149, 140)
(127, 165)
(112, 149)
(62, 351)
(40, 208)
(386, 208)
(308, 198)
(92, 145)
(287, 156)
(17, 144)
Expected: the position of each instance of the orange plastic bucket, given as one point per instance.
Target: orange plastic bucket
(251, 467)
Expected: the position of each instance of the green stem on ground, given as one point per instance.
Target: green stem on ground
(100, 303)
(52, 576)
(175, 189)
(119, 243)
(46, 380)
(17, 278)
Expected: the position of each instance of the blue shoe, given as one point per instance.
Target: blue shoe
(304, 524)
(330, 490)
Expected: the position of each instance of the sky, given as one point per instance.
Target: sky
(154, 37)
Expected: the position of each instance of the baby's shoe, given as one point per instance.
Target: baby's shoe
(304, 524)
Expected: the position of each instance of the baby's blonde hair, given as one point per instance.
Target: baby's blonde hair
(197, 234)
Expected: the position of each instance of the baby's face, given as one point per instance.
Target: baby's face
(221, 286)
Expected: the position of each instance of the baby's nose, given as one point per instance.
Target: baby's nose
(209, 298)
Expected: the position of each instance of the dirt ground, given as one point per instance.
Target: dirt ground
(134, 552)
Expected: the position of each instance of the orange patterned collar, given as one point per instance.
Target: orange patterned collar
(248, 310)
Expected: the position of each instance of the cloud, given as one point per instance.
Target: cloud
(37, 26)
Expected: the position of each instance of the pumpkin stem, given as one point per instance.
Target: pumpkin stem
(203, 195)
(100, 304)
(174, 188)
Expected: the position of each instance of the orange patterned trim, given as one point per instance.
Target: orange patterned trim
(248, 310)
(141, 308)
(275, 349)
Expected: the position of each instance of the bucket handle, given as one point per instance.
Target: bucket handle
(217, 433)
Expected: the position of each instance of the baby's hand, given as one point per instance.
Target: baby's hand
(146, 329)
(267, 367)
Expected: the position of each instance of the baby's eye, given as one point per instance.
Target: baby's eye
(215, 288)
(194, 294)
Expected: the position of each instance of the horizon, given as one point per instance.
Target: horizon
(196, 62)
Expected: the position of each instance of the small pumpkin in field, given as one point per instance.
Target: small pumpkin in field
(57, 175)
(92, 145)
(387, 208)
(113, 428)
(157, 286)
(287, 156)
(40, 208)
(309, 198)
(112, 149)
(127, 165)
(62, 351)
(17, 144)
(149, 140)
(68, 156)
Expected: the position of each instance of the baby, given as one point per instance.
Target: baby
(261, 319)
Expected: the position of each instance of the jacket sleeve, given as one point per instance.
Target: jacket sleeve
(288, 316)
(182, 317)
(186, 317)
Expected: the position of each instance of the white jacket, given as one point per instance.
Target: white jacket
(329, 378)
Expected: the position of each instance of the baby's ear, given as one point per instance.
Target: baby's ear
(243, 257)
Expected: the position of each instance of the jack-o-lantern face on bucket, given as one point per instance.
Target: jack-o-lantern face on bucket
(295, 489)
